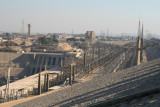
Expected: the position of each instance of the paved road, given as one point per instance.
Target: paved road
(104, 85)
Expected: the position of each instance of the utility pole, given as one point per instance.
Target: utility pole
(7, 89)
(99, 54)
(39, 83)
(73, 70)
(6, 95)
(99, 45)
(70, 76)
(47, 85)
(93, 54)
(45, 78)
(8, 81)
(84, 59)
(72, 73)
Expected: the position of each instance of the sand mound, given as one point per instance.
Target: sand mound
(64, 47)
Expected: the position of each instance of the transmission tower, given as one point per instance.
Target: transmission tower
(22, 28)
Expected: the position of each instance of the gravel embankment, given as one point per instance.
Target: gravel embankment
(149, 101)
(103, 86)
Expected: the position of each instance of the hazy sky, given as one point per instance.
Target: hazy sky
(119, 16)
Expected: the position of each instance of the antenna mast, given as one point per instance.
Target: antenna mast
(22, 28)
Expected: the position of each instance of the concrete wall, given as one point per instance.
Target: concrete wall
(29, 63)
(6, 56)
(19, 64)
(42, 61)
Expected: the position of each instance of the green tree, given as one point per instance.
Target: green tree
(46, 41)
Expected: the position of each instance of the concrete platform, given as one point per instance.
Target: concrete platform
(31, 82)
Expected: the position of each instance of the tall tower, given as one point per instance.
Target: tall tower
(29, 29)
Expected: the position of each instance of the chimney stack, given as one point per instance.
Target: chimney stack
(29, 29)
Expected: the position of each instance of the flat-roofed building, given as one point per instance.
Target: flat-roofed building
(90, 35)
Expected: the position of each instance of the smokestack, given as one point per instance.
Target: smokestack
(29, 29)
